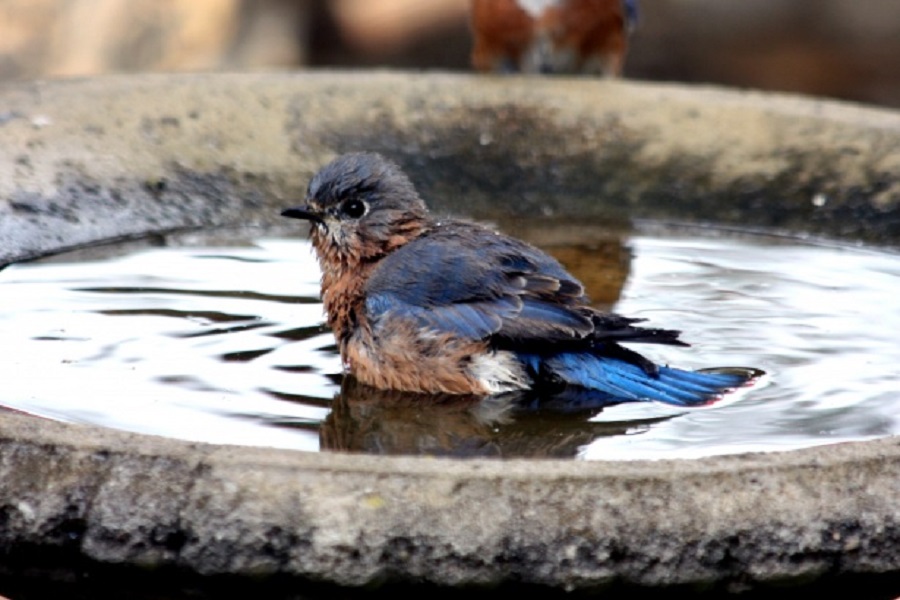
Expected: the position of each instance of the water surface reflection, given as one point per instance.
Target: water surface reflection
(223, 341)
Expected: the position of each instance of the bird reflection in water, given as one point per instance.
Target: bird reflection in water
(369, 420)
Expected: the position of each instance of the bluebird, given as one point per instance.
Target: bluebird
(435, 306)
(552, 36)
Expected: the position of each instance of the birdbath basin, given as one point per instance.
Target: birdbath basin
(92, 161)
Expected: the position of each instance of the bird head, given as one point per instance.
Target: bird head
(361, 206)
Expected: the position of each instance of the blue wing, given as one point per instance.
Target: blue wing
(469, 281)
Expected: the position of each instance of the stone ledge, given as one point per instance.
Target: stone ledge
(114, 157)
(115, 498)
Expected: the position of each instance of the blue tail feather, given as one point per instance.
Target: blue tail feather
(629, 382)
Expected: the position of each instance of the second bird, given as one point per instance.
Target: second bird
(446, 306)
(587, 37)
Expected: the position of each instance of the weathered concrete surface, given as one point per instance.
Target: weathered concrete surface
(82, 161)
(740, 521)
(86, 161)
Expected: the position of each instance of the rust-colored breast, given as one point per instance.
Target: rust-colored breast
(398, 356)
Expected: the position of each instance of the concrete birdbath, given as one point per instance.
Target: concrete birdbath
(91, 161)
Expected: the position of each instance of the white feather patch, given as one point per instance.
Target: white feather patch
(499, 372)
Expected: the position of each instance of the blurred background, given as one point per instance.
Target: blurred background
(845, 49)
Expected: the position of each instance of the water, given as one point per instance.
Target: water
(225, 344)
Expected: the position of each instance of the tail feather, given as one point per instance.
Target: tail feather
(629, 382)
(631, 385)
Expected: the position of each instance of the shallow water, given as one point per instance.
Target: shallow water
(225, 344)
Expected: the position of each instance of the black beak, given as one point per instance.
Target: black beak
(303, 212)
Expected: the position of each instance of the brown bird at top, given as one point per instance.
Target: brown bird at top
(588, 37)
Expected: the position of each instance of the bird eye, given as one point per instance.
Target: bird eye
(354, 208)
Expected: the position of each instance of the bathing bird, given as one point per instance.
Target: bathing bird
(551, 36)
(444, 306)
